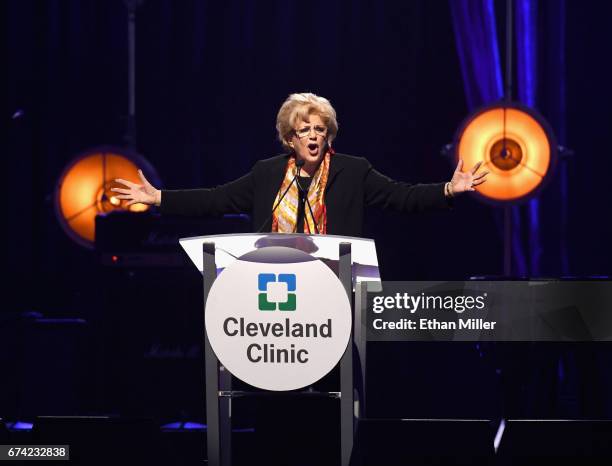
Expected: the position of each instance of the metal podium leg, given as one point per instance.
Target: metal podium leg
(213, 438)
(225, 418)
(346, 365)
(359, 337)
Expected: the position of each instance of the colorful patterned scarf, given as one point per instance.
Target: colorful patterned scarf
(284, 219)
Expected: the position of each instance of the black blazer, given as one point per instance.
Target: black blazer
(351, 186)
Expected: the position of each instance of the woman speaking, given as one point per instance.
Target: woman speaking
(311, 189)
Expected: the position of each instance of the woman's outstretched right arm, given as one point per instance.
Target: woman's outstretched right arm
(136, 193)
(233, 197)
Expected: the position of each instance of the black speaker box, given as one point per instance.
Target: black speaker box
(102, 440)
(51, 373)
(530, 442)
(149, 315)
(423, 442)
(150, 330)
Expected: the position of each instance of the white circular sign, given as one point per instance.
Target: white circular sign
(278, 319)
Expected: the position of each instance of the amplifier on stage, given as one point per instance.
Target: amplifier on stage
(128, 239)
(147, 316)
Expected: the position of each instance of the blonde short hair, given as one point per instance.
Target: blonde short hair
(299, 107)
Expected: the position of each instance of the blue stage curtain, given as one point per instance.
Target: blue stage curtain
(478, 49)
(526, 67)
(476, 38)
(540, 83)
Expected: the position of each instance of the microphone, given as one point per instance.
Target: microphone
(299, 163)
(327, 147)
(311, 214)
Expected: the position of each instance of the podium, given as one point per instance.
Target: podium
(355, 263)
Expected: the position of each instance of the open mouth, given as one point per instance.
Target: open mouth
(313, 147)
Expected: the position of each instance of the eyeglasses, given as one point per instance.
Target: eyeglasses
(305, 131)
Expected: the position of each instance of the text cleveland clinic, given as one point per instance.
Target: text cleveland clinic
(268, 352)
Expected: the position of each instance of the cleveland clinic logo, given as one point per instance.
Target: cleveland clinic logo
(276, 291)
(256, 329)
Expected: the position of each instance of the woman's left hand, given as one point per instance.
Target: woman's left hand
(462, 182)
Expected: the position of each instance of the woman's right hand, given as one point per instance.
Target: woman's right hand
(144, 193)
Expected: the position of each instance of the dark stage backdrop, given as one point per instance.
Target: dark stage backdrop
(210, 79)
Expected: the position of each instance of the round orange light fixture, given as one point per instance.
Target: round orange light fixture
(84, 189)
(514, 144)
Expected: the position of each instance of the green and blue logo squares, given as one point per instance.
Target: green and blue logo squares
(276, 291)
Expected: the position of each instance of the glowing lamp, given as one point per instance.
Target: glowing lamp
(84, 189)
(514, 144)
